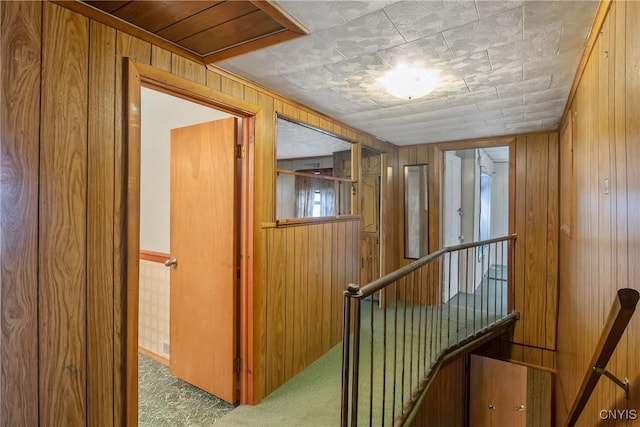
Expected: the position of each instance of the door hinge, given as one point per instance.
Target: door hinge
(237, 365)
(240, 151)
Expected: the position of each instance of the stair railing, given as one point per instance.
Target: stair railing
(619, 316)
(438, 306)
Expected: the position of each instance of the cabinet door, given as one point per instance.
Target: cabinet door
(498, 393)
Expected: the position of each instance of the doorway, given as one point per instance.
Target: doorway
(371, 173)
(476, 194)
(187, 310)
(139, 75)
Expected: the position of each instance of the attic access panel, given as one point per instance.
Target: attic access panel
(209, 30)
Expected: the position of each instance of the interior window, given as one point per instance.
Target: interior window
(313, 172)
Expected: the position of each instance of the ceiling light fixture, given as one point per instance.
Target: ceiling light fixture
(409, 82)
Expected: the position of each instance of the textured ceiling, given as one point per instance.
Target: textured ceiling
(507, 66)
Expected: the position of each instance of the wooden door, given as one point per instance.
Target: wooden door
(369, 238)
(498, 393)
(203, 343)
(452, 209)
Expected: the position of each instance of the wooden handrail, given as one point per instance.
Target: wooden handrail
(621, 312)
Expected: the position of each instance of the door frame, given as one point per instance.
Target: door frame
(436, 180)
(136, 75)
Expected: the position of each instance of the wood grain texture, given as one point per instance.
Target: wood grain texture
(126, 160)
(161, 58)
(20, 52)
(520, 209)
(535, 231)
(62, 259)
(301, 296)
(306, 272)
(77, 199)
(275, 316)
(602, 256)
(188, 69)
(100, 193)
(445, 402)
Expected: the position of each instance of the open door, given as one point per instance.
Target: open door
(204, 212)
(452, 211)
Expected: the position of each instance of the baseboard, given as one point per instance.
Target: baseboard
(153, 356)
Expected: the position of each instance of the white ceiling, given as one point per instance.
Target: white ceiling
(507, 66)
(297, 142)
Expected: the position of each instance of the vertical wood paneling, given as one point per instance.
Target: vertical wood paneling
(308, 267)
(82, 240)
(551, 260)
(300, 296)
(289, 303)
(62, 231)
(213, 81)
(539, 398)
(603, 254)
(275, 321)
(232, 88)
(446, 399)
(329, 303)
(188, 69)
(314, 300)
(20, 47)
(161, 58)
(520, 212)
(632, 357)
(536, 238)
(100, 192)
(339, 276)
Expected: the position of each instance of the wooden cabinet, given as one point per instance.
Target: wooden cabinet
(498, 393)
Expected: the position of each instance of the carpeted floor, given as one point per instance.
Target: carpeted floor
(166, 401)
(312, 398)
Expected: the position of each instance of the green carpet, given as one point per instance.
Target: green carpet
(312, 398)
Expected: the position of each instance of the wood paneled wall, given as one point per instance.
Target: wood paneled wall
(604, 251)
(62, 153)
(535, 221)
(445, 404)
(20, 32)
(536, 224)
(303, 318)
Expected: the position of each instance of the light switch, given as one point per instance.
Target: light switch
(605, 186)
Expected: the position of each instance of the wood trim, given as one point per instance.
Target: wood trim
(280, 16)
(293, 222)
(153, 356)
(243, 48)
(310, 175)
(132, 81)
(175, 85)
(98, 15)
(153, 256)
(598, 22)
(247, 383)
(137, 74)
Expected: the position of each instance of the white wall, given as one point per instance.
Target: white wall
(500, 208)
(160, 114)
